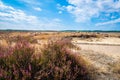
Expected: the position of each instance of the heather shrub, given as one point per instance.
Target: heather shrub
(21, 38)
(19, 63)
(55, 62)
(59, 63)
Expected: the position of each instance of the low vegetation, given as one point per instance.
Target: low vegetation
(54, 62)
(116, 68)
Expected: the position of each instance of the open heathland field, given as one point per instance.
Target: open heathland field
(59, 55)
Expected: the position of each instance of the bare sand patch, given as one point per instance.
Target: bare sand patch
(106, 40)
(101, 53)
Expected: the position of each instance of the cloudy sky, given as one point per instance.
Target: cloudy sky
(60, 14)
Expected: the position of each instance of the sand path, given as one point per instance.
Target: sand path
(101, 55)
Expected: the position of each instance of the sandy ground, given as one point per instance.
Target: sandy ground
(101, 53)
(107, 41)
(107, 46)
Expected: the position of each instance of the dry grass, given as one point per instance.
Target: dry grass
(3, 43)
(47, 35)
(116, 67)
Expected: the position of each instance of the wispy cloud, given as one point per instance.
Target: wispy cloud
(30, 2)
(109, 22)
(33, 4)
(85, 10)
(18, 19)
(8, 13)
(3, 7)
(60, 8)
(37, 9)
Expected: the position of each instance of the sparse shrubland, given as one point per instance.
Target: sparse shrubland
(55, 62)
(23, 56)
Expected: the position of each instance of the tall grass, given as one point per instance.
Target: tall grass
(55, 62)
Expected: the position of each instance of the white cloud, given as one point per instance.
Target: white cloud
(11, 14)
(57, 20)
(3, 7)
(37, 9)
(109, 22)
(17, 19)
(60, 12)
(8, 13)
(84, 10)
(60, 8)
(30, 2)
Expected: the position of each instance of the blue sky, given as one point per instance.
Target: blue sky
(60, 14)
